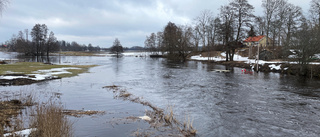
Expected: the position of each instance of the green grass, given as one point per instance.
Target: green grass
(31, 67)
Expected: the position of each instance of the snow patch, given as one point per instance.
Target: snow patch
(246, 60)
(276, 67)
(42, 74)
(23, 133)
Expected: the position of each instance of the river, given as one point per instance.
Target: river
(220, 104)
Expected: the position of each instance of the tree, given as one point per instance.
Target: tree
(90, 47)
(306, 44)
(260, 25)
(160, 42)
(3, 4)
(150, 42)
(270, 9)
(177, 41)
(39, 36)
(51, 44)
(116, 48)
(227, 28)
(251, 32)
(203, 22)
(294, 18)
(243, 14)
(315, 11)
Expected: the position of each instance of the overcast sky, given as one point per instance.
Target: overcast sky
(99, 22)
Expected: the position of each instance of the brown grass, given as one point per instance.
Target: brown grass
(47, 119)
(79, 113)
(80, 53)
(50, 121)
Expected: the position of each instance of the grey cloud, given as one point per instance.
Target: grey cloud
(100, 21)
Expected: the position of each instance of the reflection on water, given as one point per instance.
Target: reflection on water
(221, 104)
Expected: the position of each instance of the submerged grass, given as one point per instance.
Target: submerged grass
(31, 67)
(161, 120)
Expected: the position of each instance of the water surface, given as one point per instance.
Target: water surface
(220, 104)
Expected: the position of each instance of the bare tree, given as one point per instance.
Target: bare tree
(196, 37)
(51, 44)
(315, 11)
(243, 14)
(150, 42)
(39, 36)
(3, 4)
(270, 8)
(159, 42)
(227, 28)
(293, 21)
(116, 47)
(260, 25)
(203, 21)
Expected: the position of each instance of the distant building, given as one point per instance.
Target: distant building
(262, 41)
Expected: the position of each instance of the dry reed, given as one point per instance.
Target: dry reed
(50, 121)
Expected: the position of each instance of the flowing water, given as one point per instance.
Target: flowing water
(220, 104)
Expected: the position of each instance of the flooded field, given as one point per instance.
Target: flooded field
(220, 104)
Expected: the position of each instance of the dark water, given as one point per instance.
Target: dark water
(220, 104)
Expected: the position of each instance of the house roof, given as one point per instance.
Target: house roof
(254, 39)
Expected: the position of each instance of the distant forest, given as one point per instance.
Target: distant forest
(42, 43)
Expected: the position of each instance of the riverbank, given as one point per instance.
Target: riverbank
(311, 70)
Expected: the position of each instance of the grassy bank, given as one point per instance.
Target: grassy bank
(24, 73)
(32, 67)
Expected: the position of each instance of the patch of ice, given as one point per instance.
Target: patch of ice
(23, 133)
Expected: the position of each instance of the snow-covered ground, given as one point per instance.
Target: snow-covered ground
(22, 133)
(274, 64)
(132, 54)
(42, 74)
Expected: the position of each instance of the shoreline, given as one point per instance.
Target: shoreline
(282, 67)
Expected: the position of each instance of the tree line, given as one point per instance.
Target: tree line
(281, 21)
(43, 42)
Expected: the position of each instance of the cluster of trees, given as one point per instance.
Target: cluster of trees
(74, 46)
(42, 42)
(282, 21)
